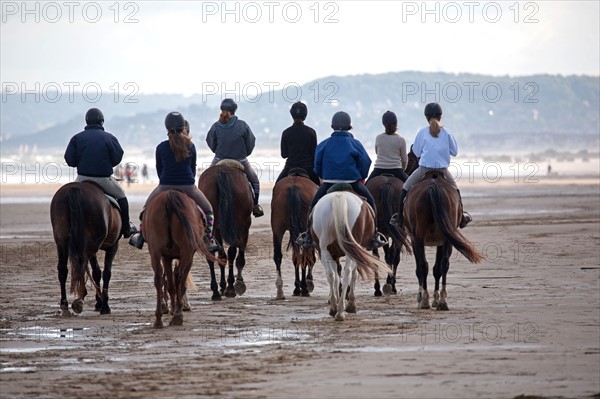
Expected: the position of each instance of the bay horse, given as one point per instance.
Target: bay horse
(84, 222)
(289, 212)
(343, 226)
(386, 190)
(431, 217)
(174, 230)
(226, 187)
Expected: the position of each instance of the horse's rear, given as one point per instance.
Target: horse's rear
(289, 212)
(431, 216)
(385, 191)
(343, 226)
(227, 189)
(173, 229)
(84, 222)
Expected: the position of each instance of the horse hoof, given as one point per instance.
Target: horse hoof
(442, 306)
(332, 312)
(350, 309)
(378, 293)
(177, 320)
(77, 306)
(186, 308)
(66, 313)
(216, 297)
(230, 293)
(297, 292)
(394, 292)
(105, 310)
(340, 316)
(387, 289)
(306, 293)
(310, 285)
(98, 306)
(164, 308)
(158, 324)
(240, 287)
(280, 297)
(424, 306)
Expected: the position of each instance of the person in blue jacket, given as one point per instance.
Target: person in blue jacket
(341, 159)
(95, 152)
(176, 168)
(434, 145)
(231, 138)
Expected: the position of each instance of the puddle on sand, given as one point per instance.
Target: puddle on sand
(434, 348)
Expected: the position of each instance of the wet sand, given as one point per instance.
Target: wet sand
(525, 321)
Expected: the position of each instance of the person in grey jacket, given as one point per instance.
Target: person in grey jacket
(231, 138)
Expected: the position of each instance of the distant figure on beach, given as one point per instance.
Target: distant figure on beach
(128, 173)
(298, 144)
(95, 153)
(390, 148)
(549, 169)
(231, 138)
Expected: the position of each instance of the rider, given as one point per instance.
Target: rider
(94, 153)
(341, 159)
(176, 168)
(298, 144)
(231, 138)
(434, 145)
(390, 148)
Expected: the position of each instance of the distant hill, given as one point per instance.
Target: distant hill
(486, 113)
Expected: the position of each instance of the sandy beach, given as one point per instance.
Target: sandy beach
(526, 321)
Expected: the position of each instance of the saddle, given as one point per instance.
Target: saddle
(348, 187)
(232, 163)
(111, 199)
(298, 172)
(434, 174)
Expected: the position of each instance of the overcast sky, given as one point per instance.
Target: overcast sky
(187, 47)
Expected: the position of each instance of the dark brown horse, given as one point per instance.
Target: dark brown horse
(289, 210)
(226, 187)
(343, 226)
(84, 222)
(431, 216)
(174, 230)
(386, 190)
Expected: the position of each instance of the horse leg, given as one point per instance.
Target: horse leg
(304, 284)
(165, 298)
(346, 276)
(96, 276)
(229, 289)
(168, 270)
(309, 279)
(63, 272)
(216, 296)
(390, 282)
(333, 280)
(297, 290)
(444, 267)
(109, 256)
(395, 264)
(422, 270)
(77, 304)
(240, 262)
(158, 284)
(185, 264)
(277, 257)
(351, 305)
(377, 285)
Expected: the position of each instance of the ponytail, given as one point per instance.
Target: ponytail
(180, 144)
(435, 127)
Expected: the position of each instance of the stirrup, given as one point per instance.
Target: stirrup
(137, 240)
(257, 211)
(377, 242)
(305, 241)
(213, 245)
(131, 231)
(465, 220)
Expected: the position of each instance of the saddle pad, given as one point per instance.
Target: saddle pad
(113, 201)
(231, 163)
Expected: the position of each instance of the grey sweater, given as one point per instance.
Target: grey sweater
(391, 151)
(233, 140)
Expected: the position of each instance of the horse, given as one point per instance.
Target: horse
(226, 187)
(343, 225)
(289, 212)
(385, 190)
(83, 222)
(431, 217)
(174, 230)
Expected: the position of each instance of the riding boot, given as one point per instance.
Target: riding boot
(378, 240)
(126, 229)
(137, 239)
(305, 238)
(213, 245)
(465, 218)
(400, 217)
(257, 211)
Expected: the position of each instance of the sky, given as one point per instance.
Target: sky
(192, 47)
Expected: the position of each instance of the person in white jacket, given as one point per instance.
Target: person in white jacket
(434, 145)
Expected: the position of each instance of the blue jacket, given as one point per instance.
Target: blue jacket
(94, 152)
(233, 140)
(171, 172)
(341, 157)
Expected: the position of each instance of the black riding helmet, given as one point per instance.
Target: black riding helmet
(432, 110)
(299, 110)
(94, 117)
(174, 121)
(229, 105)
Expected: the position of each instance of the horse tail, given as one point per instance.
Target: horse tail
(175, 206)
(387, 211)
(297, 222)
(226, 220)
(367, 265)
(447, 227)
(76, 240)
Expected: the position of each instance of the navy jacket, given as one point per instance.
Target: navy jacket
(342, 157)
(298, 144)
(171, 172)
(233, 140)
(94, 152)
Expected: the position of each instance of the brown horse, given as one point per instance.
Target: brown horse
(431, 216)
(173, 229)
(228, 191)
(343, 226)
(84, 222)
(386, 190)
(289, 211)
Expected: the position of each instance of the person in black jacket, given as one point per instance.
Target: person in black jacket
(95, 153)
(298, 144)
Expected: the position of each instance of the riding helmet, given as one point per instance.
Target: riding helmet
(341, 121)
(229, 105)
(432, 110)
(389, 118)
(94, 117)
(299, 110)
(174, 121)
